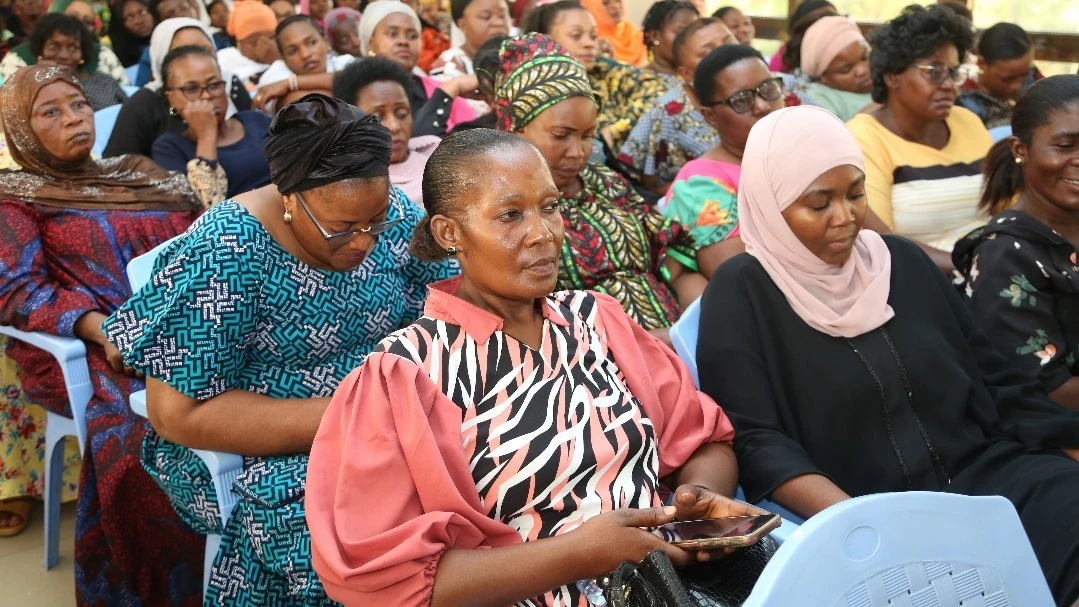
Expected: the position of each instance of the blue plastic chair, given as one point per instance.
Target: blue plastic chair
(70, 353)
(223, 467)
(104, 121)
(1000, 132)
(132, 73)
(130, 90)
(915, 548)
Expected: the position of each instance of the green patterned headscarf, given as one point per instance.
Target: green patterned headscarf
(535, 74)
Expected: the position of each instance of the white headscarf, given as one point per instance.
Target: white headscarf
(376, 12)
(161, 42)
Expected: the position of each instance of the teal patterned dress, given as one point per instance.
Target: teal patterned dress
(228, 308)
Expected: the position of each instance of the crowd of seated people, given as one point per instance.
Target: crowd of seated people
(400, 242)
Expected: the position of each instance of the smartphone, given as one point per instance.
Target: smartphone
(712, 533)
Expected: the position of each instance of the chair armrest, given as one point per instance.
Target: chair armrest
(138, 403)
(783, 532)
(70, 353)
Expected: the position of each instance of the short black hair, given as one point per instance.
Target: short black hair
(542, 18)
(683, 36)
(661, 12)
(722, 11)
(713, 64)
(183, 52)
(799, 24)
(1035, 108)
(449, 174)
(804, 9)
(292, 20)
(917, 32)
(457, 8)
(60, 23)
(1004, 42)
(348, 83)
(960, 9)
(486, 63)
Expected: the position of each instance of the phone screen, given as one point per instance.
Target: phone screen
(729, 527)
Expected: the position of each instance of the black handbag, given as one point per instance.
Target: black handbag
(654, 582)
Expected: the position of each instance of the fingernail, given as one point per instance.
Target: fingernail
(669, 510)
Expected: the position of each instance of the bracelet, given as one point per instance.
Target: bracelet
(293, 83)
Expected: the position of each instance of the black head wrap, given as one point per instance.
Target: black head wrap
(320, 140)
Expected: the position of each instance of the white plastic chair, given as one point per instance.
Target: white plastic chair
(223, 467)
(915, 548)
(104, 121)
(70, 353)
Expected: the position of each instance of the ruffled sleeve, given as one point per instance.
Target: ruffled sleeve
(389, 488)
(188, 325)
(684, 418)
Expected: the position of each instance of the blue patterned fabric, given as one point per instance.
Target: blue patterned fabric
(228, 308)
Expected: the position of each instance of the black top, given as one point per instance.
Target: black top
(145, 117)
(805, 402)
(1023, 289)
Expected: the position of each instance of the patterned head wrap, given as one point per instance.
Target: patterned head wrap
(320, 140)
(535, 74)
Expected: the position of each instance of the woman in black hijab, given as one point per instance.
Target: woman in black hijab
(273, 297)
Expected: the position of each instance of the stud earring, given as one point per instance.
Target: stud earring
(172, 112)
(1018, 160)
(451, 251)
(371, 53)
(288, 216)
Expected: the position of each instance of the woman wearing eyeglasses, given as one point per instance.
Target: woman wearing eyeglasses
(254, 317)
(735, 89)
(221, 156)
(923, 155)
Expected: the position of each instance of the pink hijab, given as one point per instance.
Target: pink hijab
(787, 150)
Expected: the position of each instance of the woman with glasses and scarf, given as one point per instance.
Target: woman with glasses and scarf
(221, 156)
(273, 296)
(923, 155)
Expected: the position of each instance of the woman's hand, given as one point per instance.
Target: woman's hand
(116, 361)
(200, 117)
(608, 540)
(693, 503)
(462, 86)
(1072, 453)
(268, 94)
(88, 329)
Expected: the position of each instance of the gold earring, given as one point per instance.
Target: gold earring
(288, 216)
(452, 250)
(371, 54)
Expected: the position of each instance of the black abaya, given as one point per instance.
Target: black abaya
(804, 402)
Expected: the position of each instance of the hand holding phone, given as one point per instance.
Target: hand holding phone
(711, 534)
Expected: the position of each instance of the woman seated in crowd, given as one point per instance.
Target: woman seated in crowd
(923, 155)
(317, 10)
(674, 132)
(69, 225)
(146, 115)
(788, 58)
(625, 39)
(662, 23)
(129, 33)
(421, 482)
(486, 62)
(342, 26)
(282, 9)
(391, 29)
(63, 41)
(614, 243)
(252, 26)
(309, 274)
(222, 157)
(479, 21)
(739, 24)
(1005, 68)
(306, 65)
(735, 90)
(1022, 268)
(626, 90)
(827, 330)
(379, 87)
(835, 57)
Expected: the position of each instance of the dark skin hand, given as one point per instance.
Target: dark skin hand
(88, 329)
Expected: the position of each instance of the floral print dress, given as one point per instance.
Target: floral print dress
(666, 137)
(1022, 280)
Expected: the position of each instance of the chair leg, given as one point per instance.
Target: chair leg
(213, 541)
(54, 478)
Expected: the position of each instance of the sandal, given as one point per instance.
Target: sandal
(17, 507)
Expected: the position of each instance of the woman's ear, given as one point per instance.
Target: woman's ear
(1019, 150)
(447, 232)
(891, 80)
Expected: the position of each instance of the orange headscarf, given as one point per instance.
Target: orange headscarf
(626, 39)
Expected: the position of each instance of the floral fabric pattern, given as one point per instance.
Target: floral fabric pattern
(704, 199)
(1022, 281)
(666, 137)
(624, 93)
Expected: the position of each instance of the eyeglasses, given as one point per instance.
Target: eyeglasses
(938, 72)
(336, 240)
(128, 18)
(194, 91)
(742, 101)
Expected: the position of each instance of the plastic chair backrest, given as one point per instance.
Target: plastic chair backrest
(132, 74)
(104, 121)
(1000, 132)
(916, 548)
(141, 269)
(684, 337)
(130, 90)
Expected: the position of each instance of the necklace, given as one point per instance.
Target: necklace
(942, 474)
